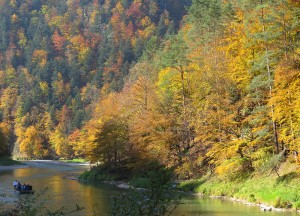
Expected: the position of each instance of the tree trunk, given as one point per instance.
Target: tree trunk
(274, 124)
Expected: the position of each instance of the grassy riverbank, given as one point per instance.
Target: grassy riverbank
(7, 161)
(279, 191)
(75, 160)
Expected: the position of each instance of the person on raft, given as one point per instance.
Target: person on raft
(15, 184)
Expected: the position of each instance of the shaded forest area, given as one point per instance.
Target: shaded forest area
(199, 86)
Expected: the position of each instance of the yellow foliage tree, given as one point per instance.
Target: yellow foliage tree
(40, 57)
(32, 143)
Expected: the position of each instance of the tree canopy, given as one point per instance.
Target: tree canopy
(194, 85)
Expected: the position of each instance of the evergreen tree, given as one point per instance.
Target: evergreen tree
(3, 35)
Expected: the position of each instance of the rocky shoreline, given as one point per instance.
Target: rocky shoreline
(262, 206)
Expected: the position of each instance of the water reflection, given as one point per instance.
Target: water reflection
(68, 193)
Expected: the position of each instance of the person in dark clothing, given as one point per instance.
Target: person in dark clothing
(19, 186)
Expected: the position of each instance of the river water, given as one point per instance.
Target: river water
(97, 197)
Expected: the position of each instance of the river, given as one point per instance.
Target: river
(97, 197)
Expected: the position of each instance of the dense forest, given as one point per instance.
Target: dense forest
(195, 85)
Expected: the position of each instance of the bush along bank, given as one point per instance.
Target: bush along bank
(103, 173)
(134, 177)
(270, 191)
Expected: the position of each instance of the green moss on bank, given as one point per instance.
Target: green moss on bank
(7, 161)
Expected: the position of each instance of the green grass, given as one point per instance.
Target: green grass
(191, 185)
(7, 161)
(76, 160)
(282, 192)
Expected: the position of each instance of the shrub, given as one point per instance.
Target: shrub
(158, 199)
(252, 198)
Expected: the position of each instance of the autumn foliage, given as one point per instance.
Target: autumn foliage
(213, 87)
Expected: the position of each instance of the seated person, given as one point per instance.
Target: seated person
(27, 187)
(15, 183)
(19, 186)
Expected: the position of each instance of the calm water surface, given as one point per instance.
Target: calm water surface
(97, 198)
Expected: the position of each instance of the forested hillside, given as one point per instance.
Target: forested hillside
(215, 86)
(58, 58)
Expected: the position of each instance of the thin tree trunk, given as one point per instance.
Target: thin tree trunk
(274, 124)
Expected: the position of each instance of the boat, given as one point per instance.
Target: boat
(25, 191)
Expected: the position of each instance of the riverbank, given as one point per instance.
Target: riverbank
(269, 192)
(262, 205)
(7, 161)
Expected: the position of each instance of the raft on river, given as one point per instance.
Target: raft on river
(24, 189)
(21, 191)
